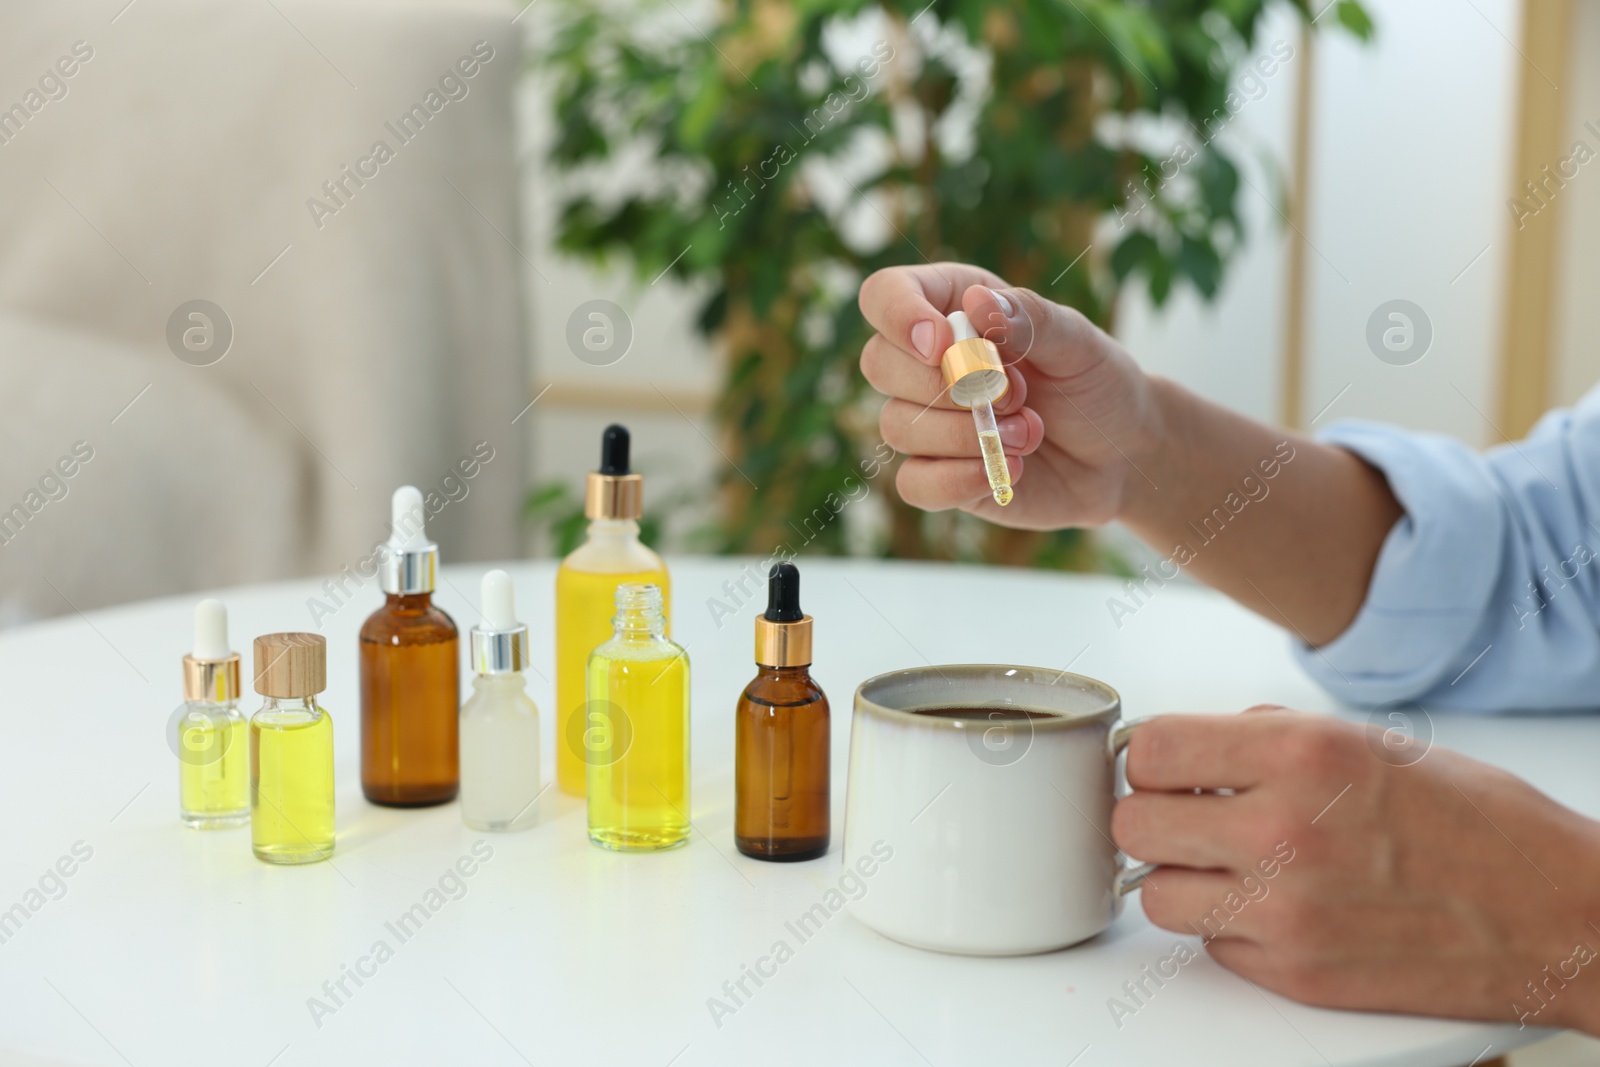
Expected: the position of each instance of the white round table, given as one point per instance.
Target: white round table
(170, 946)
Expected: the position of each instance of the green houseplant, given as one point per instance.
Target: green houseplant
(794, 148)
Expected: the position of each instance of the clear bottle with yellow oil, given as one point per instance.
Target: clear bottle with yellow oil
(211, 743)
(291, 752)
(586, 589)
(636, 727)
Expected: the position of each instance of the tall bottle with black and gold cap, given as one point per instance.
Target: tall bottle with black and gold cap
(586, 591)
(781, 750)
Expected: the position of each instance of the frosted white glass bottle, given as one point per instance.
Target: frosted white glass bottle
(500, 784)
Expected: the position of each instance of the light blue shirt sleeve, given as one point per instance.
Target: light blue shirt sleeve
(1486, 594)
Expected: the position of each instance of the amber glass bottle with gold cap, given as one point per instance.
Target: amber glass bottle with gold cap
(586, 595)
(291, 752)
(781, 743)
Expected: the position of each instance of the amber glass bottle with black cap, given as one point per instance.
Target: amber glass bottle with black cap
(781, 747)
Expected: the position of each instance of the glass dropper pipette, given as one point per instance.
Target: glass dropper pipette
(994, 456)
(972, 368)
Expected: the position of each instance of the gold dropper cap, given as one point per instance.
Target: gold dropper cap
(783, 634)
(783, 644)
(613, 491)
(211, 670)
(613, 496)
(291, 665)
(972, 367)
(211, 679)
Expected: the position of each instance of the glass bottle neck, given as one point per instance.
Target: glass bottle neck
(640, 611)
(639, 624)
(417, 602)
(512, 680)
(799, 673)
(289, 705)
(613, 531)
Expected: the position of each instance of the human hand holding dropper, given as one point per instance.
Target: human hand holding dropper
(1094, 439)
(1406, 892)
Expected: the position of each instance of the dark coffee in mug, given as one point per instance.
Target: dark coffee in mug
(1007, 714)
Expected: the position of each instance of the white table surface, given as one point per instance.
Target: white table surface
(172, 946)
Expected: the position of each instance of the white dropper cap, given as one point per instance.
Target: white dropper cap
(211, 631)
(500, 645)
(961, 325)
(499, 602)
(410, 559)
(407, 520)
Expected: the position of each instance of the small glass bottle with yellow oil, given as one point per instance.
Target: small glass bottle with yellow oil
(213, 782)
(291, 752)
(636, 730)
(586, 589)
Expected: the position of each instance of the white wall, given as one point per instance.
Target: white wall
(1576, 341)
(1411, 151)
(1411, 142)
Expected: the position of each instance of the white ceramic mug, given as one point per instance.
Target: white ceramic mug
(986, 836)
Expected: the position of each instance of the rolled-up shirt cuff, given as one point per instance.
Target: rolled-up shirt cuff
(1435, 573)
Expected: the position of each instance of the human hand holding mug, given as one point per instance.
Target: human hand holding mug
(1421, 881)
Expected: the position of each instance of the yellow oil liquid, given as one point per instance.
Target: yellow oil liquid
(213, 768)
(291, 786)
(994, 465)
(638, 734)
(586, 603)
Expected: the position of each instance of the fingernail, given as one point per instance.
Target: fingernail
(1013, 433)
(1000, 298)
(922, 339)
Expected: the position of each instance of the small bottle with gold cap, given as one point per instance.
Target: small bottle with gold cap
(291, 752)
(213, 787)
(586, 591)
(781, 743)
(977, 379)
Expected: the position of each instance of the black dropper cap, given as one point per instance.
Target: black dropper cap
(614, 450)
(783, 593)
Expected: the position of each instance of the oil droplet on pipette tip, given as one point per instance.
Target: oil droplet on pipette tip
(1002, 495)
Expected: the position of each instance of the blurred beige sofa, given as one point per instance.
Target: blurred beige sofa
(167, 151)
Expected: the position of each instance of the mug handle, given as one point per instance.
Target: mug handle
(1128, 878)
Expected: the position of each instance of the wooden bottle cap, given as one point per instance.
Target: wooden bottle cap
(291, 665)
